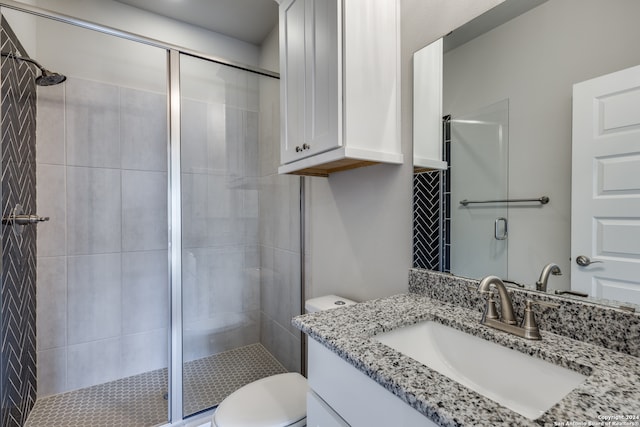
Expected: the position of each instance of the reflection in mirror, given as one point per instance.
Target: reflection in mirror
(479, 149)
(532, 61)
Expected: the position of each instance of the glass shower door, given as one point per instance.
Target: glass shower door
(479, 164)
(220, 238)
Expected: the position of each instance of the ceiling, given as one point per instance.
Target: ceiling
(247, 20)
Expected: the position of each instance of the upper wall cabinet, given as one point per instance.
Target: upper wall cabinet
(340, 85)
(427, 108)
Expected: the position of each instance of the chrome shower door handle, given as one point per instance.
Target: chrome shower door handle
(584, 261)
(496, 227)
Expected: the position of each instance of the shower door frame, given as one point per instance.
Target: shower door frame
(174, 196)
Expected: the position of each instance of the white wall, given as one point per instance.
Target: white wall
(360, 221)
(538, 57)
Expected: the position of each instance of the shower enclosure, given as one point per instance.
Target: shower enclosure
(169, 268)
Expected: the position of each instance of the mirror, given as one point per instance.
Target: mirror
(529, 60)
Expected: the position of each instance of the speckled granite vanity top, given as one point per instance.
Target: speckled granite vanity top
(611, 389)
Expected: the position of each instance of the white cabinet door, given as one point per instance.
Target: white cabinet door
(340, 85)
(354, 397)
(605, 206)
(292, 75)
(309, 72)
(319, 414)
(322, 49)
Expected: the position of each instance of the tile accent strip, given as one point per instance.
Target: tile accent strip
(426, 220)
(432, 212)
(18, 283)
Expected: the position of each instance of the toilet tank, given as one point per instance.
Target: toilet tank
(326, 302)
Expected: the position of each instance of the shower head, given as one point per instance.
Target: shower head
(47, 78)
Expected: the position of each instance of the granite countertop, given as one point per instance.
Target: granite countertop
(611, 388)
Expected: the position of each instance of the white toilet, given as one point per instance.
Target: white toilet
(275, 401)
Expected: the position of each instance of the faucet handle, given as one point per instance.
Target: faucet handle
(529, 324)
(490, 310)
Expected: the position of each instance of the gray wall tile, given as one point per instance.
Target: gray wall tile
(143, 130)
(94, 297)
(51, 307)
(92, 120)
(93, 363)
(217, 143)
(281, 343)
(193, 137)
(93, 210)
(52, 371)
(225, 225)
(145, 291)
(144, 352)
(144, 210)
(50, 125)
(194, 210)
(51, 198)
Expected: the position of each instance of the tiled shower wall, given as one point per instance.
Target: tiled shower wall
(279, 238)
(18, 282)
(102, 258)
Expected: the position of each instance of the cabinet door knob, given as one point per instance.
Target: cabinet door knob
(306, 146)
(298, 149)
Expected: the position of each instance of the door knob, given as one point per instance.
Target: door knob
(583, 261)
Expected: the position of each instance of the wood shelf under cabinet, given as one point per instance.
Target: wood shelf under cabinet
(332, 167)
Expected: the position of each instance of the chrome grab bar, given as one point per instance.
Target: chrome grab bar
(542, 200)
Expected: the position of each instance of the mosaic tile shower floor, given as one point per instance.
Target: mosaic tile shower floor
(138, 401)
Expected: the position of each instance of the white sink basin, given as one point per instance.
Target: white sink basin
(522, 383)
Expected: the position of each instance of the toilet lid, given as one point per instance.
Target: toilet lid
(278, 400)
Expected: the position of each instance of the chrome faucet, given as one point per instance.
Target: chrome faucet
(506, 322)
(551, 268)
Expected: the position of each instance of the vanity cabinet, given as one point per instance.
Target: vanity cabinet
(339, 85)
(342, 395)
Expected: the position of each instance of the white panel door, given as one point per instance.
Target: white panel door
(605, 206)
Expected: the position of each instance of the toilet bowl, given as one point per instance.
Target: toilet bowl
(278, 400)
(275, 401)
